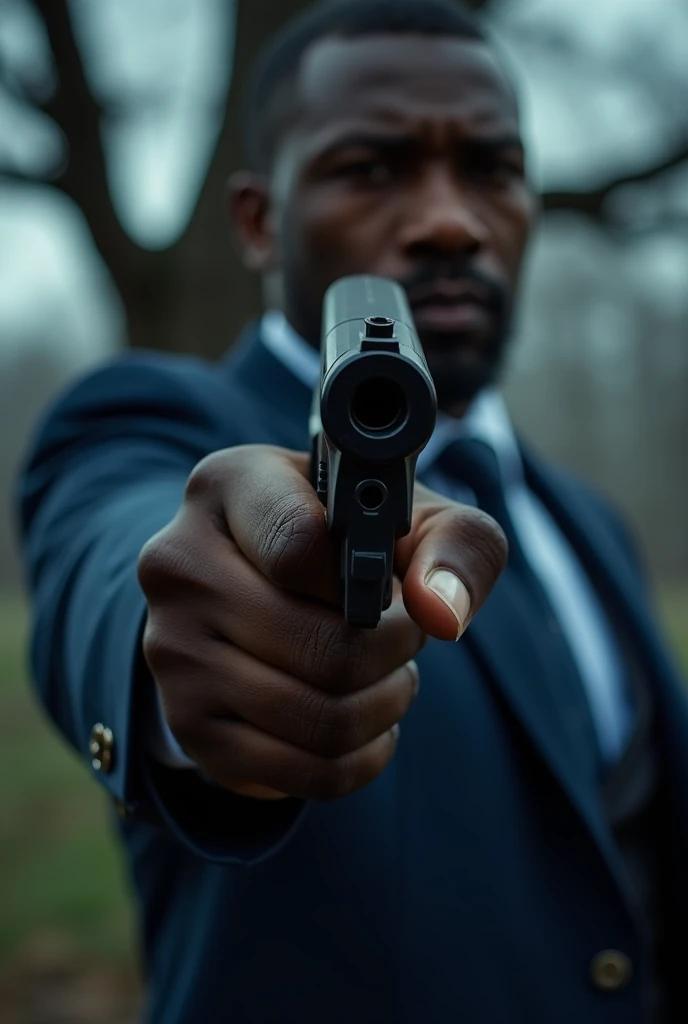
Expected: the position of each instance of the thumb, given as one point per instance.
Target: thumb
(449, 563)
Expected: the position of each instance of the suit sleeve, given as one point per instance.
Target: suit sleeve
(106, 470)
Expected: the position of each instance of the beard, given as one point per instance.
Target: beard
(463, 362)
(460, 371)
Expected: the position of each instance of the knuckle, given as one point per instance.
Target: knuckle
(332, 779)
(150, 566)
(169, 562)
(159, 558)
(183, 716)
(185, 725)
(173, 648)
(331, 653)
(332, 726)
(205, 477)
(156, 646)
(290, 537)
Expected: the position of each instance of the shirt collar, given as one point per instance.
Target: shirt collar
(486, 420)
(280, 338)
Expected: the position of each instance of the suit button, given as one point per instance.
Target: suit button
(611, 970)
(101, 747)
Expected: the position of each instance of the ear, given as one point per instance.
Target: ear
(248, 208)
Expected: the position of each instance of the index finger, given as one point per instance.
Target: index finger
(273, 515)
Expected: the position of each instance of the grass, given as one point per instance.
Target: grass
(60, 870)
(673, 603)
(61, 876)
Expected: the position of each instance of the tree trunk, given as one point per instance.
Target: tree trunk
(196, 296)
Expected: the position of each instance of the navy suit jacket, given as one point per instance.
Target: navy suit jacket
(473, 881)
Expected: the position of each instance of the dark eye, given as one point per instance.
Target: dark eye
(372, 171)
(496, 167)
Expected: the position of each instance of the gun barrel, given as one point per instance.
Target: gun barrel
(377, 397)
(376, 409)
(363, 296)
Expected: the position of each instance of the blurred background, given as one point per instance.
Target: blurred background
(119, 124)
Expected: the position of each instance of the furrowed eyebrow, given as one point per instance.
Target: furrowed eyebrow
(384, 142)
(366, 140)
(494, 144)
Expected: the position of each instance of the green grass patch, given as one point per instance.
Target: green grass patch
(61, 873)
(673, 603)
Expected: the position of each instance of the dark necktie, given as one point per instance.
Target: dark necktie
(474, 463)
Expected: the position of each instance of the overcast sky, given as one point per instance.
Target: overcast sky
(585, 116)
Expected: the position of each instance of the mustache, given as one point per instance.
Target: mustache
(496, 293)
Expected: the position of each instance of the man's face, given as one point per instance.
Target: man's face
(404, 161)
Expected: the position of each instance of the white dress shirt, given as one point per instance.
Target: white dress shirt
(574, 602)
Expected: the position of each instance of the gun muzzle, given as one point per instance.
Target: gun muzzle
(374, 412)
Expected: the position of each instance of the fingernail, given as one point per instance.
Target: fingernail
(413, 669)
(450, 589)
(395, 730)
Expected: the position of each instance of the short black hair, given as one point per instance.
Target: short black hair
(278, 61)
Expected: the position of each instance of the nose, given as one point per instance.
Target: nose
(442, 220)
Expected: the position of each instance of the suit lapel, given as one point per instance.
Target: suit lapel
(514, 649)
(282, 399)
(606, 558)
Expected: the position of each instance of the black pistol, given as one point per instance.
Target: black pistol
(373, 412)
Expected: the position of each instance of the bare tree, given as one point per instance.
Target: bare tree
(194, 294)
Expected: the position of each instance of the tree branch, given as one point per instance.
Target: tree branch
(10, 86)
(15, 176)
(72, 106)
(25, 85)
(676, 223)
(207, 238)
(78, 114)
(593, 202)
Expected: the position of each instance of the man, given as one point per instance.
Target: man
(516, 851)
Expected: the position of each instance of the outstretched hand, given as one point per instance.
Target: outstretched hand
(263, 682)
